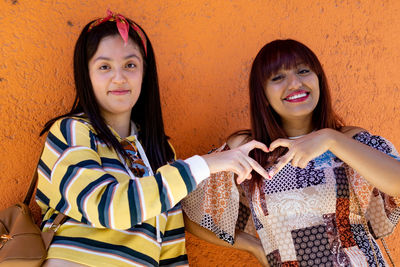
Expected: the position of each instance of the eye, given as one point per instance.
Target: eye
(104, 67)
(131, 65)
(304, 71)
(277, 78)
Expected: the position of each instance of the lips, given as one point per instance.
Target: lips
(298, 96)
(119, 92)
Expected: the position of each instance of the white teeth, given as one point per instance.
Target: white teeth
(296, 96)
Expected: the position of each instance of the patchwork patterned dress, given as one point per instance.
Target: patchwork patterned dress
(323, 215)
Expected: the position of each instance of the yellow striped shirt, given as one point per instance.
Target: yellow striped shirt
(111, 214)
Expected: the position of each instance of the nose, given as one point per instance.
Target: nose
(119, 77)
(294, 81)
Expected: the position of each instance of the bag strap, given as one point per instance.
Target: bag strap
(48, 235)
(32, 186)
(365, 224)
(387, 251)
(31, 189)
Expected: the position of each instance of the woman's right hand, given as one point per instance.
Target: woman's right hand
(238, 161)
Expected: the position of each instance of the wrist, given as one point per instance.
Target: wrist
(208, 160)
(332, 137)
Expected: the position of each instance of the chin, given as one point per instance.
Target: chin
(301, 114)
(120, 110)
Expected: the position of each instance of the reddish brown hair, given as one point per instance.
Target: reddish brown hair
(265, 122)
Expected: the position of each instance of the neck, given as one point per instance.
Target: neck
(297, 126)
(120, 123)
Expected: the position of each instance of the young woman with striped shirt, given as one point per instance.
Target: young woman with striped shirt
(107, 164)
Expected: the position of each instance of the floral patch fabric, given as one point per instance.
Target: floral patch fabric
(314, 216)
(137, 165)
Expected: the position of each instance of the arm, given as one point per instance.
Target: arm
(84, 179)
(243, 241)
(88, 182)
(378, 168)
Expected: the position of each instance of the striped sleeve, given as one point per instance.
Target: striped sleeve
(173, 250)
(83, 178)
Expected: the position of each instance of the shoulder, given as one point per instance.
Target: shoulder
(71, 130)
(351, 131)
(71, 123)
(239, 138)
(375, 141)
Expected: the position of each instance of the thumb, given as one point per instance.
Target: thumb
(246, 148)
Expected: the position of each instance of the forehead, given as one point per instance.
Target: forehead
(114, 46)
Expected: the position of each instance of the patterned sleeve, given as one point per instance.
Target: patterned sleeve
(381, 210)
(219, 205)
(84, 179)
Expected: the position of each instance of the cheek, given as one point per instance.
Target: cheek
(98, 88)
(137, 77)
(316, 88)
(273, 94)
(314, 82)
(99, 81)
(94, 79)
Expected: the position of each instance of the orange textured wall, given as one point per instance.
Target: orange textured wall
(204, 50)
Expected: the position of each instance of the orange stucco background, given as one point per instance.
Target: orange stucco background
(204, 50)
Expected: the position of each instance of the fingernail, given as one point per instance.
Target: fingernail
(270, 173)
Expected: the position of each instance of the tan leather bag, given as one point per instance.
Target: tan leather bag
(22, 243)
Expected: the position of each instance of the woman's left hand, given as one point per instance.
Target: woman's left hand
(302, 150)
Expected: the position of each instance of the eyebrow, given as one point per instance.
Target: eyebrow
(107, 58)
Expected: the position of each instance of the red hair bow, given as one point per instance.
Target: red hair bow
(123, 27)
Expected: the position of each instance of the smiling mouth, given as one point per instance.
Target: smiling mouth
(297, 97)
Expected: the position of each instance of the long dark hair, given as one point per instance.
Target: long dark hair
(146, 113)
(266, 124)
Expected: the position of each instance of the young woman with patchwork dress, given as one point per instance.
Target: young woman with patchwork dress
(332, 189)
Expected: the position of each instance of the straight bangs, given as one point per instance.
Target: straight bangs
(286, 55)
